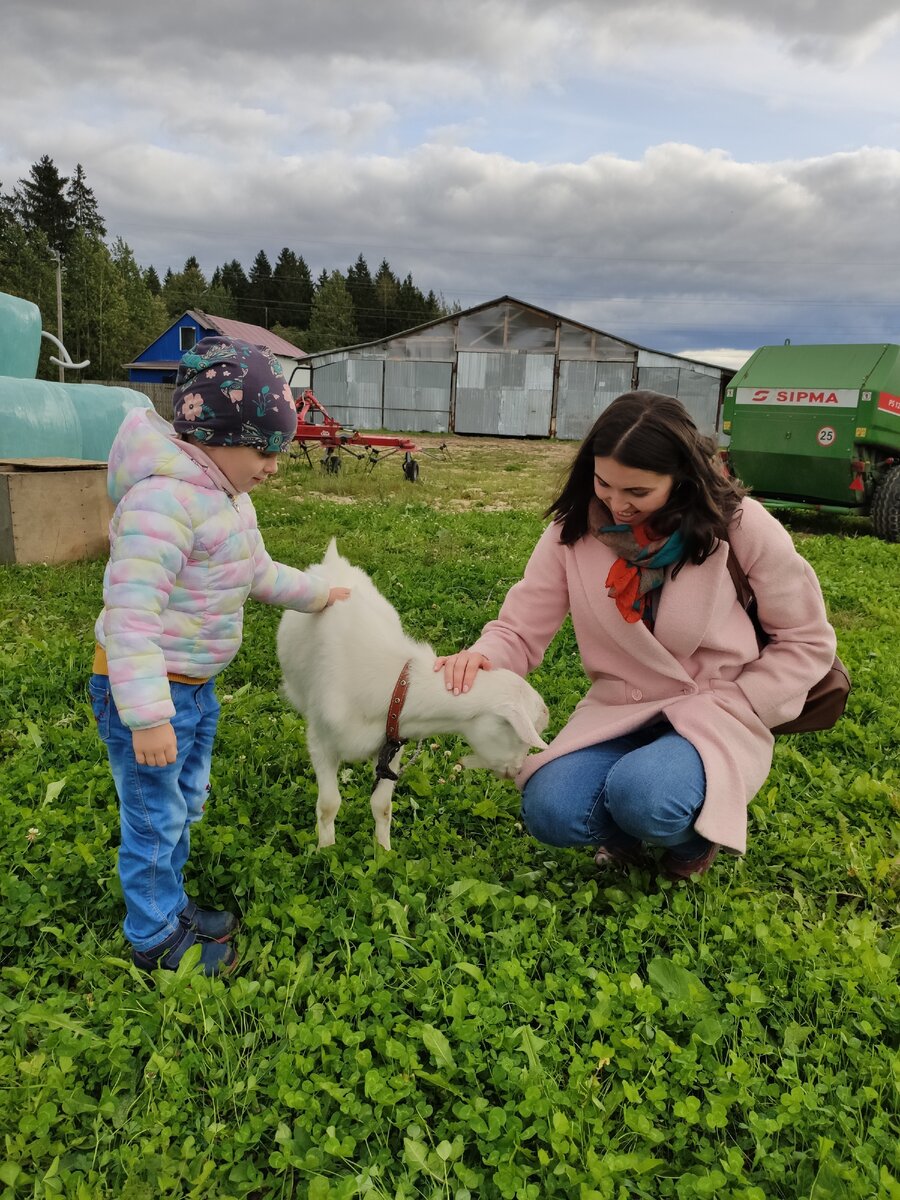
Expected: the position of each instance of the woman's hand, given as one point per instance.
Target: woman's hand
(460, 669)
(337, 594)
(156, 747)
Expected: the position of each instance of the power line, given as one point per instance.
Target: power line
(546, 251)
(642, 300)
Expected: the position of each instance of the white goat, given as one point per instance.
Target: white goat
(340, 667)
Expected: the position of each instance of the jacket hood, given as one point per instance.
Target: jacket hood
(147, 445)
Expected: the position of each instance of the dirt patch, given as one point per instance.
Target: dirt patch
(333, 497)
(460, 505)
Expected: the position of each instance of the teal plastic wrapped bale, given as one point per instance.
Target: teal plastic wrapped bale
(40, 419)
(20, 337)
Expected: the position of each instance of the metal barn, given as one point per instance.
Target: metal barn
(504, 368)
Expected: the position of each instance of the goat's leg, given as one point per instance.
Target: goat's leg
(382, 806)
(325, 764)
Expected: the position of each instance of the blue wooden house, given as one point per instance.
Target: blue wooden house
(159, 362)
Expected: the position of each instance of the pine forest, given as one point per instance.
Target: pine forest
(113, 307)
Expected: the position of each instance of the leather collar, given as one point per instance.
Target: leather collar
(395, 708)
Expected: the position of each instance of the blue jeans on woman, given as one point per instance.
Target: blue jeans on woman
(157, 806)
(647, 786)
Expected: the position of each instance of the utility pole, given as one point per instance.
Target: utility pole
(59, 310)
(64, 360)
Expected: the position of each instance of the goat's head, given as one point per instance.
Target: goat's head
(502, 737)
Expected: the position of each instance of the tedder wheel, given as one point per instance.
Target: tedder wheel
(410, 468)
(331, 463)
(886, 506)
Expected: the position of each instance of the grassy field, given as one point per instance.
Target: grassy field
(473, 1015)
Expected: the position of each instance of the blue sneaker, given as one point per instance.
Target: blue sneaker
(216, 958)
(210, 925)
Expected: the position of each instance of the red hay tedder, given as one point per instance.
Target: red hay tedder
(316, 425)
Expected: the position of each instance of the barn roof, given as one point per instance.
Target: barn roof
(257, 335)
(546, 312)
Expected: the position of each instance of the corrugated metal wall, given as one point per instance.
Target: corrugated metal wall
(351, 390)
(417, 396)
(695, 385)
(585, 389)
(507, 394)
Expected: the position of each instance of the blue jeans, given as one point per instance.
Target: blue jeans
(157, 806)
(647, 786)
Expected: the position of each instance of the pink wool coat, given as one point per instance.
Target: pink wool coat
(699, 668)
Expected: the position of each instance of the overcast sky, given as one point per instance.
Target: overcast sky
(693, 175)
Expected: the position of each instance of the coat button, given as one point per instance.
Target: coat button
(637, 694)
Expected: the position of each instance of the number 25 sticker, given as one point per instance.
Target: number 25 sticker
(826, 435)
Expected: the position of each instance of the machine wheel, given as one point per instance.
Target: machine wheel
(410, 468)
(886, 506)
(331, 463)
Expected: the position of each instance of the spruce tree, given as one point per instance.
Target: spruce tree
(281, 290)
(261, 290)
(151, 279)
(291, 291)
(434, 307)
(85, 213)
(362, 290)
(304, 293)
(386, 288)
(40, 202)
(235, 280)
(410, 305)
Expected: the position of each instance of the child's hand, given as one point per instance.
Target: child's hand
(337, 594)
(156, 747)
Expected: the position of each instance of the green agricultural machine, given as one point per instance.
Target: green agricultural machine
(819, 426)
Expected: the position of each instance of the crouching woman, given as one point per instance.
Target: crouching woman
(672, 740)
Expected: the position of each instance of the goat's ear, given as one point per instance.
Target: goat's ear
(331, 554)
(521, 723)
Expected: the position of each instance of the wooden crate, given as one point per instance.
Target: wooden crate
(53, 510)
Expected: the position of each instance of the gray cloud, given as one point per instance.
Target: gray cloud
(227, 34)
(224, 134)
(662, 248)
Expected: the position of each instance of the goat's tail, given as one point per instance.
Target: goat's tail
(331, 554)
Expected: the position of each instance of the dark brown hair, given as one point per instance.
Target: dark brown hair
(652, 432)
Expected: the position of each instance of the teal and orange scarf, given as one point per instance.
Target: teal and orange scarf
(637, 574)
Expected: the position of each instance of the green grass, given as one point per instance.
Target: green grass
(472, 1015)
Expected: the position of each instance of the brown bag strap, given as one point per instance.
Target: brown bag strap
(739, 579)
(746, 596)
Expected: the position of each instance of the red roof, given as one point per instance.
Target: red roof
(255, 334)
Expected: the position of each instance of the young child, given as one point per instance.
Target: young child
(185, 553)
